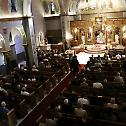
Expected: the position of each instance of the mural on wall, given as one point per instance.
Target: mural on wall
(50, 6)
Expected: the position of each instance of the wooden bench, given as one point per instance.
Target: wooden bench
(12, 119)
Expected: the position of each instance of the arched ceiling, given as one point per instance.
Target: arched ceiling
(85, 6)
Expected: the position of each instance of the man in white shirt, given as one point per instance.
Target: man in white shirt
(82, 100)
(97, 85)
(24, 92)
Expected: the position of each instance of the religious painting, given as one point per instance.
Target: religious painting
(89, 34)
(124, 35)
(75, 33)
(117, 35)
(50, 7)
(99, 32)
(109, 33)
(82, 33)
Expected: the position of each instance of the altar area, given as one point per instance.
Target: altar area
(83, 53)
(99, 31)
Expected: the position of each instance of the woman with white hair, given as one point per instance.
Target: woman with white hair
(66, 107)
(3, 110)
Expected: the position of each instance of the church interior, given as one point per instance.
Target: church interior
(63, 62)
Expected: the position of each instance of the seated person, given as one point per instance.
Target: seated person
(84, 83)
(34, 68)
(48, 65)
(83, 100)
(118, 78)
(24, 92)
(3, 111)
(50, 120)
(99, 59)
(97, 85)
(41, 66)
(112, 104)
(66, 107)
(79, 111)
(99, 75)
(3, 91)
(98, 64)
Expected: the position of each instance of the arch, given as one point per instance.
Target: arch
(18, 36)
(17, 31)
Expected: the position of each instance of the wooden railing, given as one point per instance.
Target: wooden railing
(42, 107)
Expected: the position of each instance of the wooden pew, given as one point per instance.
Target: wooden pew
(113, 92)
(54, 80)
(47, 86)
(30, 100)
(22, 109)
(12, 119)
(101, 122)
(40, 92)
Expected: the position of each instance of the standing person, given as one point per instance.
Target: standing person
(74, 64)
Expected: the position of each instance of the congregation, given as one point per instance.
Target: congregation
(97, 91)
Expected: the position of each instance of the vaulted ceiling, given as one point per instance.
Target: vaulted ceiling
(85, 6)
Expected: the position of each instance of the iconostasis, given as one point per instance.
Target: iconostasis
(99, 31)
